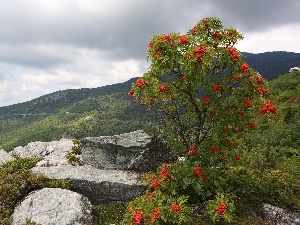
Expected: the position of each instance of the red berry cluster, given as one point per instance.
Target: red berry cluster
(221, 209)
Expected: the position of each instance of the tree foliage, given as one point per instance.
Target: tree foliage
(208, 98)
(206, 95)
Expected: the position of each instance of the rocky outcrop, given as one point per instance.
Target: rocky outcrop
(93, 185)
(49, 153)
(100, 186)
(53, 206)
(101, 177)
(135, 151)
(5, 157)
(100, 180)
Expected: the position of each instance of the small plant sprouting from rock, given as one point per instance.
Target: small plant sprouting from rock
(73, 155)
(28, 222)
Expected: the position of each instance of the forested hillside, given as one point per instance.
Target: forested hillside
(53, 102)
(77, 113)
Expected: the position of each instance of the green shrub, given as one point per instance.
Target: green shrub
(255, 187)
(31, 223)
(73, 155)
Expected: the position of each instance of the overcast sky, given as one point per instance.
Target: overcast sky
(51, 45)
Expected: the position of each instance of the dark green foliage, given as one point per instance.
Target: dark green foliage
(16, 182)
(78, 113)
(109, 213)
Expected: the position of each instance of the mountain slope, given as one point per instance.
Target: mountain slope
(93, 116)
(54, 101)
(272, 64)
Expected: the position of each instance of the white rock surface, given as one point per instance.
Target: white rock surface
(50, 153)
(279, 216)
(5, 157)
(53, 206)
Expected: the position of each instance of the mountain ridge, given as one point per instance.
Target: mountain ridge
(68, 96)
(272, 64)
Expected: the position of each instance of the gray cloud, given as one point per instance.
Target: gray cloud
(125, 32)
(258, 15)
(37, 56)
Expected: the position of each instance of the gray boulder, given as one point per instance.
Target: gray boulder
(100, 186)
(50, 153)
(53, 206)
(5, 157)
(130, 151)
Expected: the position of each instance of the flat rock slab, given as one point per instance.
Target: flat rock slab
(100, 186)
(133, 139)
(5, 157)
(53, 206)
